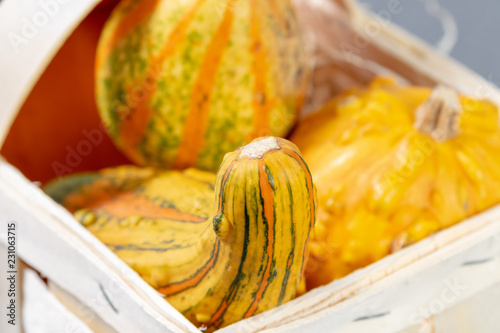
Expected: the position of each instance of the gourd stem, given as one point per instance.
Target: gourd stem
(439, 116)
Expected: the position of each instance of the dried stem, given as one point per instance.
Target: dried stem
(439, 116)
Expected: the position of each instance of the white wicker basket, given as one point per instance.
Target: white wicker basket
(453, 274)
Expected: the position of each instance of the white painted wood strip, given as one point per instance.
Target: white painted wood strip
(425, 326)
(31, 32)
(476, 314)
(42, 312)
(51, 241)
(84, 313)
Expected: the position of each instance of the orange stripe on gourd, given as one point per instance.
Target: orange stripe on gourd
(130, 204)
(266, 192)
(197, 119)
(260, 103)
(133, 127)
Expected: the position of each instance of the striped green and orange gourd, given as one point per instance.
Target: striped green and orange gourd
(180, 83)
(218, 254)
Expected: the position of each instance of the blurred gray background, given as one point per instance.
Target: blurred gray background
(477, 25)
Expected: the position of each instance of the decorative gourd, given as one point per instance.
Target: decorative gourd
(215, 261)
(391, 169)
(180, 83)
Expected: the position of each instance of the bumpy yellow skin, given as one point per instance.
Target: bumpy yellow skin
(181, 83)
(382, 184)
(218, 253)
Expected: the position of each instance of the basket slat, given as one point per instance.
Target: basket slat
(85, 314)
(31, 35)
(42, 312)
(53, 242)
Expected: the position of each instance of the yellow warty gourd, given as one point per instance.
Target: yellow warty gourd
(393, 165)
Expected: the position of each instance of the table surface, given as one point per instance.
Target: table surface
(477, 23)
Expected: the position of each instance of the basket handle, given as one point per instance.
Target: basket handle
(350, 6)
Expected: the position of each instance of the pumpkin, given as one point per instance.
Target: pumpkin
(180, 83)
(216, 261)
(393, 165)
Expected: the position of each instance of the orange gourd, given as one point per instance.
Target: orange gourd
(393, 165)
